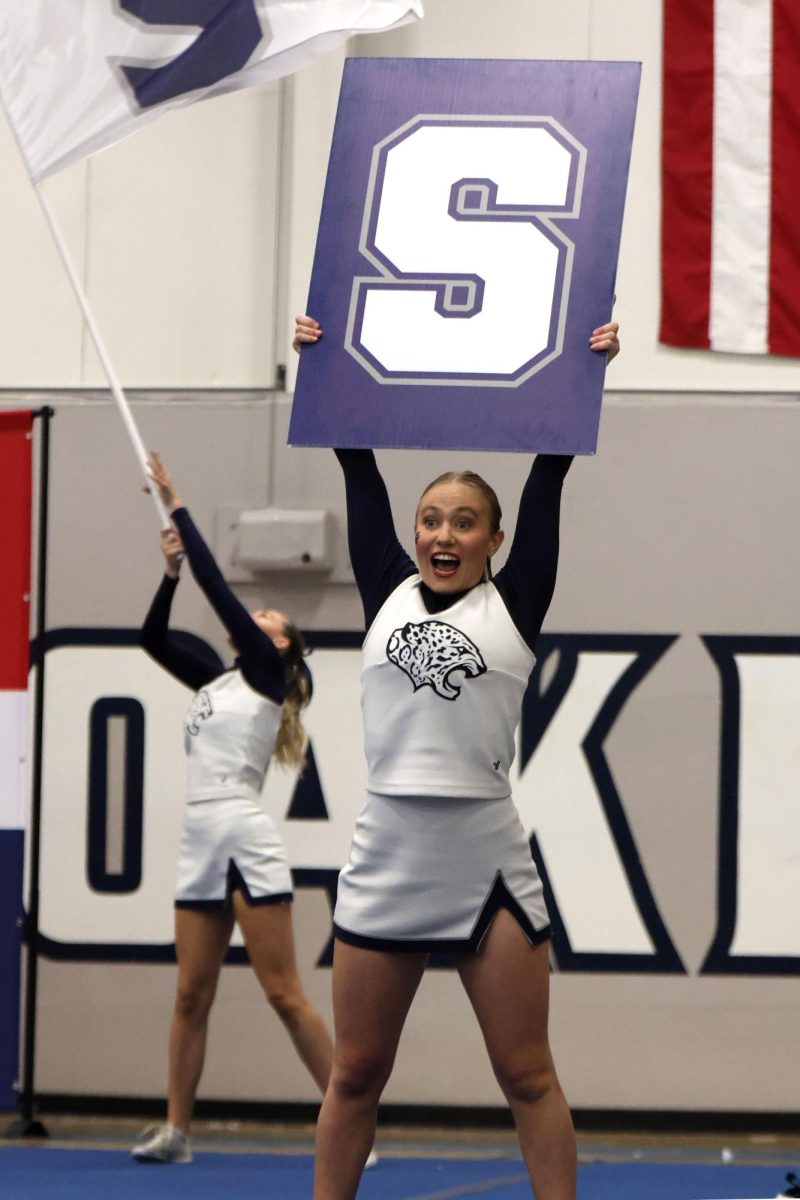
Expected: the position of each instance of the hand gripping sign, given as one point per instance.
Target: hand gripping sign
(467, 248)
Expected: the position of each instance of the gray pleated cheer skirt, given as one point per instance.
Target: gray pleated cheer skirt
(226, 845)
(429, 873)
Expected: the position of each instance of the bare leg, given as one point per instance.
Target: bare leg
(372, 993)
(508, 987)
(267, 932)
(201, 939)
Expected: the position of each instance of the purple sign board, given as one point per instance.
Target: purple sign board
(467, 248)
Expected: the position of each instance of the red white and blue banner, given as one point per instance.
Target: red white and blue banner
(730, 236)
(467, 248)
(79, 75)
(15, 533)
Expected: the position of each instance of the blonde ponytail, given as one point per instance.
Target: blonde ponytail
(290, 744)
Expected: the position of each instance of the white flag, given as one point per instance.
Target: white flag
(79, 75)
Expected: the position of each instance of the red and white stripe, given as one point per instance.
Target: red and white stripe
(15, 537)
(731, 176)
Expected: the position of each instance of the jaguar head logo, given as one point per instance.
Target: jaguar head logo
(199, 710)
(431, 652)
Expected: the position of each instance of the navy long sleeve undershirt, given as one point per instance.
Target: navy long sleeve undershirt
(258, 659)
(527, 580)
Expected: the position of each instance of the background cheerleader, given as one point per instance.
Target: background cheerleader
(232, 866)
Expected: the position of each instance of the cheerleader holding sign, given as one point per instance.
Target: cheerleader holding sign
(439, 859)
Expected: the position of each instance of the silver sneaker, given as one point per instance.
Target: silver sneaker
(162, 1144)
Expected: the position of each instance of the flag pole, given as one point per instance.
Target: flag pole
(116, 388)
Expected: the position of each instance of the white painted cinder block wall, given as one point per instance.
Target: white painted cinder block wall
(195, 240)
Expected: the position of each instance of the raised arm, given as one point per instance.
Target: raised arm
(378, 559)
(191, 662)
(528, 579)
(259, 660)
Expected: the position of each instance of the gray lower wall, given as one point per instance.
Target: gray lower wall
(683, 525)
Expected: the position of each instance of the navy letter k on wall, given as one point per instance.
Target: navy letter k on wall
(230, 32)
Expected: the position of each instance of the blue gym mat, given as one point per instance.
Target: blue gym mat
(49, 1173)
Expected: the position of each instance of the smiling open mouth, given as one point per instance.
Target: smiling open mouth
(445, 564)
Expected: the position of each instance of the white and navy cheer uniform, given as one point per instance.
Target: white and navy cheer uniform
(228, 842)
(438, 846)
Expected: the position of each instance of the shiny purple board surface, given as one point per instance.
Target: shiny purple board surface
(467, 247)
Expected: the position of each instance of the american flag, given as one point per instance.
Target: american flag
(730, 238)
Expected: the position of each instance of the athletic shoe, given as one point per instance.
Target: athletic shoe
(793, 1188)
(372, 1161)
(162, 1144)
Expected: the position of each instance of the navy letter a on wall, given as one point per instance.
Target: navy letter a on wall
(230, 32)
